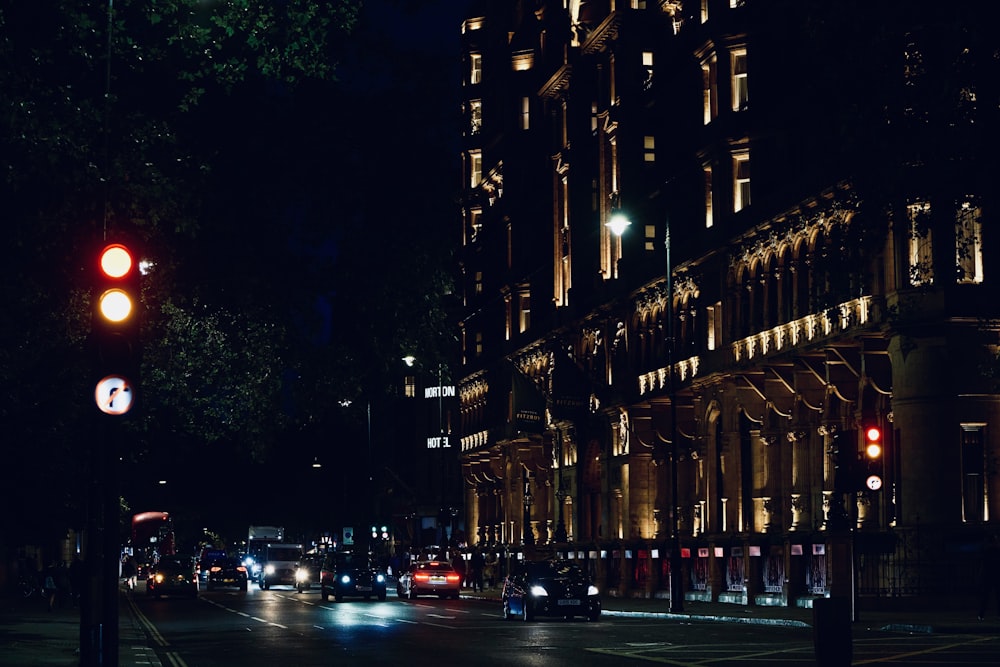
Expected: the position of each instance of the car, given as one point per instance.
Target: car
(226, 571)
(173, 575)
(432, 577)
(549, 588)
(308, 572)
(347, 574)
(208, 555)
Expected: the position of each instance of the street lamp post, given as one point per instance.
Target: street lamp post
(618, 224)
(676, 594)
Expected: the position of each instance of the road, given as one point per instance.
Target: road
(282, 627)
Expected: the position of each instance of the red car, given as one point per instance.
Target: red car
(433, 577)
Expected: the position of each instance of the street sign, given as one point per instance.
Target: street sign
(113, 395)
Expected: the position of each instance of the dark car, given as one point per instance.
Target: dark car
(347, 574)
(226, 571)
(308, 572)
(432, 577)
(173, 575)
(549, 588)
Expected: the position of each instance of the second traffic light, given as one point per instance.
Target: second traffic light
(873, 450)
(115, 328)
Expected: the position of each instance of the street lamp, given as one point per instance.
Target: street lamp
(618, 224)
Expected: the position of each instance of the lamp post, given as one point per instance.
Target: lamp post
(676, 595)
(618, 224)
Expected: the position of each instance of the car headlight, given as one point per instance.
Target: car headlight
(301, 575)
(269, 569)
(592, 590)
(380, 578)
(539, 591)
(345, 579)
(158, 578)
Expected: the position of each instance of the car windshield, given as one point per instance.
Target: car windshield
(351, 561)
(436, 566)
(174, 564)
(283, 554)
(553, 570)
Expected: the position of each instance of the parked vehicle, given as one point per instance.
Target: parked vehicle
(549, 588)
(434, 577)
(173, 575)
(346, 574)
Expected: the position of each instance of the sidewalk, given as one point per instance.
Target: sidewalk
(32, 635)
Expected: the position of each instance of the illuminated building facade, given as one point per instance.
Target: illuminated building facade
(824, 172)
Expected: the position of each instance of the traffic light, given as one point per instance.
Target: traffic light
(873, 451)
(115, 328)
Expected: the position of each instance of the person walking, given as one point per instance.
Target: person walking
(989, 576)
(476, 564)
(49, 587)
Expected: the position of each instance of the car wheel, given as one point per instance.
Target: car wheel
(324, 595)
(412, 593)
(381, 596)
(594, 615)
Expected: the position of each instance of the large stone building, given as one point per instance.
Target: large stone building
(698, 386)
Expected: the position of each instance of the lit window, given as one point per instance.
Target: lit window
(479, 344)
(741, 90)
(409, 386)
(650, 236)
(708, 73)
(921, 263)
(522, 61)
(524, 312)
(525, 113)
(714, 325)
(475, 169)
(475, 224)
(974, 457)
(479, 282)
(741, 180)
(649, 148)
(475, 68)
(709, 220)
(507, 317)
(647, 67)
(593, 117)
(475, 116)
(704, 11)
(969, 243)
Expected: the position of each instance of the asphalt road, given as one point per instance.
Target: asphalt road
(282, 627)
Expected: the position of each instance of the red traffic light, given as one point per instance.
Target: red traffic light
(115, 303)
(116, 261)
(873, 442)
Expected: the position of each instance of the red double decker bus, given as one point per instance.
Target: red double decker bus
(152, 536)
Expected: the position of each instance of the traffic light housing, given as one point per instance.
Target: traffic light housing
(115, 328)
(872, 455)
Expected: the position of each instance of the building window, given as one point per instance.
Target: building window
(921, 262)
(649, 148)
(524, 311)
(522, 61)
(713, 326)
(974, 508)
(650, 237)
(475, 224)
(707, 172)
(475, 168)
(968, 242)
(507, 317)
(479, 344)
(704, 11)
(525, 113)
(741, 90)
(593, 117)
(475, 68)
(475, 116)
(647, 66)
(709, 89)
(741, 180)
(478, 286)
(409, 386)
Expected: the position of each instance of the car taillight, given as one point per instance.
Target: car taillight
(215, 568)
(241, 569)
(422, 576)
(453, 578)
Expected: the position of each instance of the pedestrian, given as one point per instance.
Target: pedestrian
(490, 569)
(459, 564)
(476, 565)
(129, 572)
(989, 575)
(49, 589)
